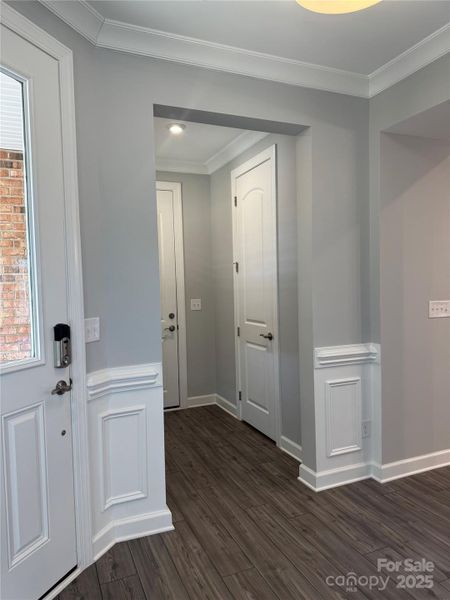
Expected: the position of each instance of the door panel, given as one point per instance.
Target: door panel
(37, 494)
(26, 482)
(168, 283)
(256, 281)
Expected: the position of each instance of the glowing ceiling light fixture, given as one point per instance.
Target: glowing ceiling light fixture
(336, 7)
(176, 128)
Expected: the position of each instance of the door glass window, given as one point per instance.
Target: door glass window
(17, 289)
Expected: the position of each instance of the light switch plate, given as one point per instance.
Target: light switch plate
(196, 304)
(92, 330)
(439, 309)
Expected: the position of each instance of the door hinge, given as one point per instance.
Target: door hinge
(240, 396)
(236, 266)
(235, 200)
(238, 331)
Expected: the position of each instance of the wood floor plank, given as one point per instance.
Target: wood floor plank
(117, 563)
(285, 581)
(200, 578)
(128, 588)
(85, 587)
(246, 528)
(221, 548)
(301, 553)
(249, 585)
(159, 578)
(341, 554)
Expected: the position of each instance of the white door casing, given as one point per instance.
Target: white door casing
(256, 291)
(39, 464)
(171, 269)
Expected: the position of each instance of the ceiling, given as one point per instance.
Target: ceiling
(201, 148)
(359, 42)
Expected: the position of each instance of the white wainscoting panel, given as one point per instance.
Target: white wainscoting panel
(343, 415)
(343, 400)
(126, 445)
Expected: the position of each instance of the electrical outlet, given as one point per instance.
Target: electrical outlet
(92, 330)
(366, 429)
(196, 304)
(439, 309)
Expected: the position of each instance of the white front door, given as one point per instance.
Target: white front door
(255, 255)
(168, 197)
(37, 496)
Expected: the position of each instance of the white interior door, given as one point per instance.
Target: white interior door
(255, 251)
(171, 271)
(37, 497)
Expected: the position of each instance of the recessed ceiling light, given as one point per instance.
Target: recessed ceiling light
(336, 7)
(176, 128)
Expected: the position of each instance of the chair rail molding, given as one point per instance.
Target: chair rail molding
(352, 354)
(117, 35)
(123, 379)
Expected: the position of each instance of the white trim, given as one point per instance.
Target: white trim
(131, 528)
(227, 406)
(353, 354)
(79, 15)
(175, 165)
(291, 448)
(267, 154)
(175, 188)
(29, 31)
(405, 64)
(123, 379)
(233, 149)
(325, 480)
(205, 400)
(116, 35)
(410, 466)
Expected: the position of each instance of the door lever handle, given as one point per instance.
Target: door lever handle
(62, 387)
(171, 328)
(267, 336)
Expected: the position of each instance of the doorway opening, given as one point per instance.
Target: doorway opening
(227, 203)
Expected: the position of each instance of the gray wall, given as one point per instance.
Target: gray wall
(222, 253)
(427, 88)
(114, 96)
(414, 268)
(200, 325)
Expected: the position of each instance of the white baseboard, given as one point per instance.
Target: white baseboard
(227, 406)
(334, 477)
(291, 448)
(410, 466)
(131, 528)
(199, 401)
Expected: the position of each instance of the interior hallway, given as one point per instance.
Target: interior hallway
(246, 529)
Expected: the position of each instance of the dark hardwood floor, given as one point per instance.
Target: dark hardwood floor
(246, 529)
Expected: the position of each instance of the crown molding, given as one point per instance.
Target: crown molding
(115, 35)
(418, 56)
(79, 15)
(173, 165)
(242, 142)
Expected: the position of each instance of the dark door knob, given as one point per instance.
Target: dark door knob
(268, 336)
(171, 328)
